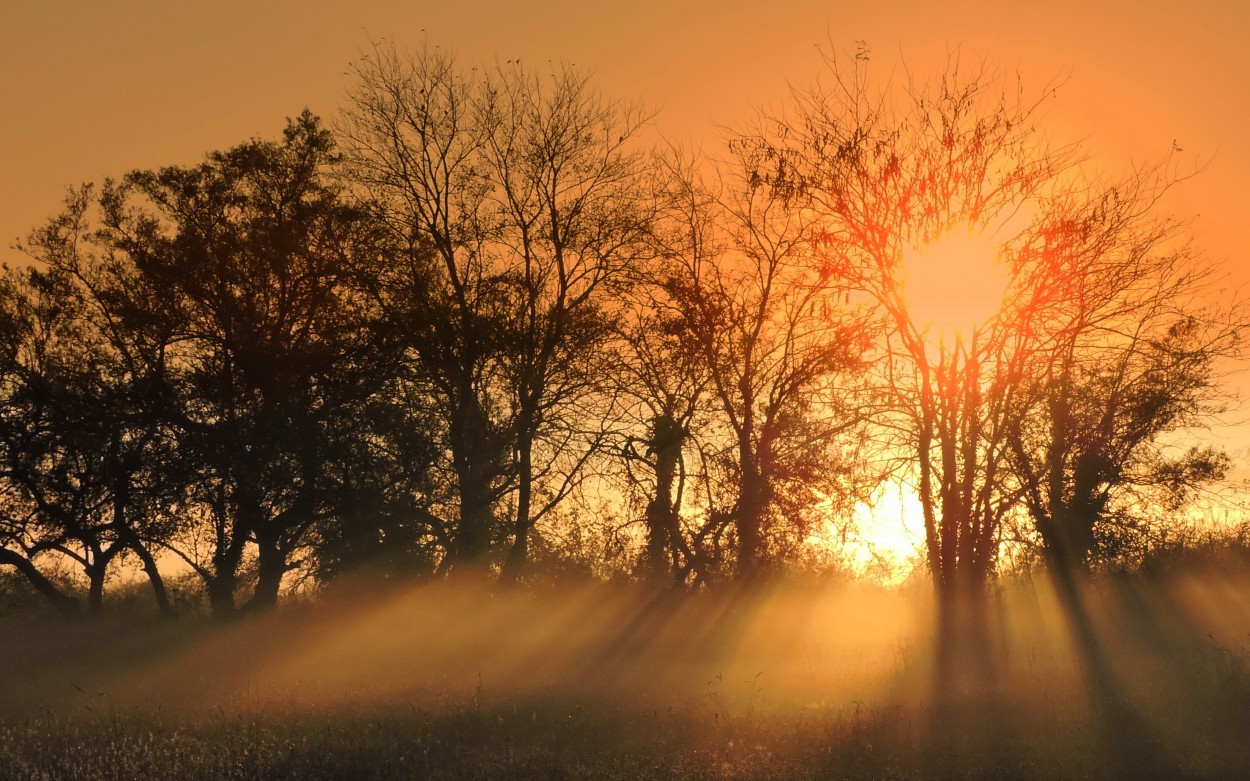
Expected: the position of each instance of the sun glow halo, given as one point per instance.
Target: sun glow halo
(890, 528)
(954, 283)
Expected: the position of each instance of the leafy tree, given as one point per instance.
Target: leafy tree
(1133, 341)
(86, 457)
(255, 261)
(380, 477)
(43, 511)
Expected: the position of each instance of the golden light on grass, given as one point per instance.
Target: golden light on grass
(464, 682)
(954, 284)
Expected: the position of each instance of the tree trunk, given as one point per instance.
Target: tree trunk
(220, 590)
(1067, 539)
(221, 584)
(518, 554)
(476, 465)
(96, 572)
(234, 525)
(749, 517)
(132, 541)
(271, 568)
(667, 438)
(961, 563)
(159, 591)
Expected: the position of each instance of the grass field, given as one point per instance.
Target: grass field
(602, 682)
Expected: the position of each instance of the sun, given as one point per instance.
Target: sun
(890, 526)
(885, 538)
(954, 283)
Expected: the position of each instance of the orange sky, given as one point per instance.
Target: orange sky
(92, 89)
(95, 88)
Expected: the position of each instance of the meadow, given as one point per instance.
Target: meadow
(450, 681)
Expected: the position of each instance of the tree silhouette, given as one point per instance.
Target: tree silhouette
(1132, 345)
(519, 207)
(1059, 402)
(50, 494)
(252, 261)
(662, 385)
(779, 350)
(86, 454)
(434, 351)
(888, 171)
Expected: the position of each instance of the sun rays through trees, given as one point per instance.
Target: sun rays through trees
(484, 325)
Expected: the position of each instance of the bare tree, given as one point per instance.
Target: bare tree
(896, 168)
(1061, 401)
(663, 384)
(413, 142)
(522, 208)
(780, 349)
(665, 391)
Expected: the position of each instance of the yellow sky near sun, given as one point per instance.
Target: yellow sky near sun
(91, 89)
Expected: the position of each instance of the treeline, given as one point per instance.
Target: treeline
(481, 326)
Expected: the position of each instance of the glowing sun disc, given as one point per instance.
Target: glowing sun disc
(954, 283)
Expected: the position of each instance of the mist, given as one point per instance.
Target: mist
(759, 682)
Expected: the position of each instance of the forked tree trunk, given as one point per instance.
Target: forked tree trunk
(96, 570)
(222, 582)
(220, 589)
